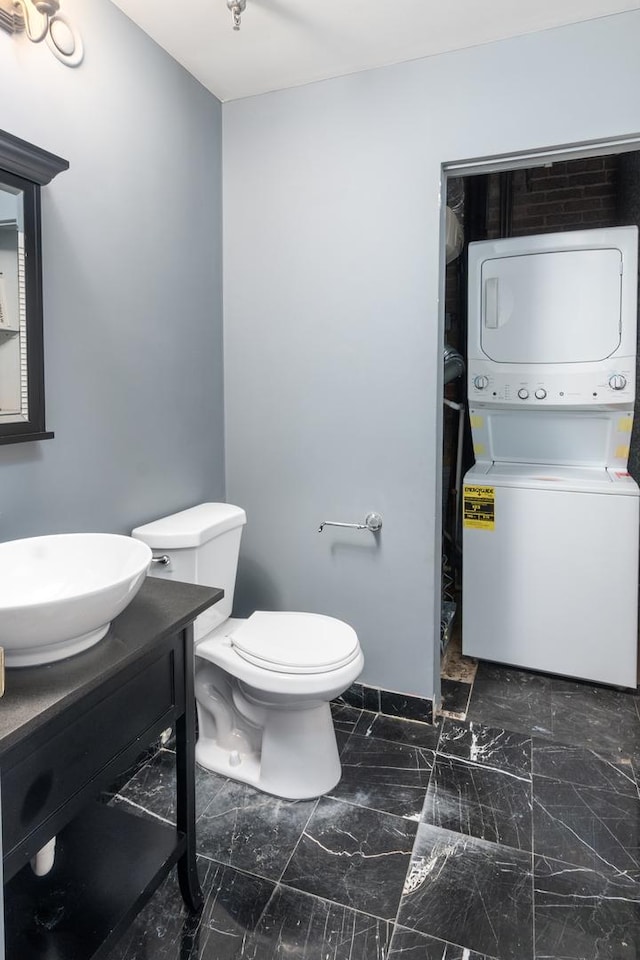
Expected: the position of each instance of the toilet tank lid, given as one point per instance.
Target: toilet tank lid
(192, 527)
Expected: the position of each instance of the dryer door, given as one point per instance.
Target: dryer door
(561, 306)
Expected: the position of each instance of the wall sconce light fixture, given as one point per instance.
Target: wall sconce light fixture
(237, 8)
(42, 20)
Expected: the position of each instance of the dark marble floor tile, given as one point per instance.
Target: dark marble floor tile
(586, 826)
(489, 746)
(404, 705)
(342, 740)
(298, 925)
(480, 802)
(208, 786)
(511, 700)
(560, 761)
(569, 711)
(152, 790)
(410, 945)
(130, 772)
(251, 830)
(413, 732)
(360, 696)
(224, 930)
(464, 890)
(248, 918)
(391, 777)
(345, 718)
(597, 718)
(353, 856)
(455, 696)
(371, 698)
(584, 914)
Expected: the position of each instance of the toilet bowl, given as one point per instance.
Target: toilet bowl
(263, 685)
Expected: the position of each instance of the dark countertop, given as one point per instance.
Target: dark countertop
(35, 695)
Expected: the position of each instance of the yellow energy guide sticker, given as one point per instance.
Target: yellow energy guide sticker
(479, 508)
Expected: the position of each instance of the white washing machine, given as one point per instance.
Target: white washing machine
(551, 516)
(551, 569)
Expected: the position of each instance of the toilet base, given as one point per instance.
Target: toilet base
(298, 759)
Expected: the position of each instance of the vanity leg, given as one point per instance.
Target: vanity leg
(186, 786)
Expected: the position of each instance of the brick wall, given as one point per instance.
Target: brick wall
(570, 195)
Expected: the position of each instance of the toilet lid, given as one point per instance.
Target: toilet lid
(295, 642)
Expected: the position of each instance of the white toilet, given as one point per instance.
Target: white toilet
(263, 685)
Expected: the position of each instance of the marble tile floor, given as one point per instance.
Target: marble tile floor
(493, 838)
(455, 696)
(458, 675)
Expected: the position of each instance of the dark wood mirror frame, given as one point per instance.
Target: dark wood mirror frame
(28, 168)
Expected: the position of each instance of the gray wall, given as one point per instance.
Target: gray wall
(132, 287)
(332, 284)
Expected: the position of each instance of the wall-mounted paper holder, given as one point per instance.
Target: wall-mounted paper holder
(372, 522)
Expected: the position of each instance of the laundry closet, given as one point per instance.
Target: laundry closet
(540, 544)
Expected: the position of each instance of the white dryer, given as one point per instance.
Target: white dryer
(551, 516)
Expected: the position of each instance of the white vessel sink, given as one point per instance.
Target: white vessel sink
(58, 594)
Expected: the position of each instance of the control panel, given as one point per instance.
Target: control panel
(490, 383)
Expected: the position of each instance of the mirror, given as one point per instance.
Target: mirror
(14, 406)
(24, 169)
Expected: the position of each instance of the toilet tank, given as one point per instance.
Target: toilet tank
(202, 544)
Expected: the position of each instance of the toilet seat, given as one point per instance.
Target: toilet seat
(295, 643)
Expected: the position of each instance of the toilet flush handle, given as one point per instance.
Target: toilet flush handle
(164, 560)
(372, 522)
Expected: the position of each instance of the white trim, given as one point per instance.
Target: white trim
(543, 157)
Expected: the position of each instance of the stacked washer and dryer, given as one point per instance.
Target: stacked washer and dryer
(550, 513)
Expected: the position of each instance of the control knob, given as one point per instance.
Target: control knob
(523, 394)
(481, 382)
(541, 393)
(617, 382)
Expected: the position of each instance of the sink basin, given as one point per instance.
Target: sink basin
(59, 594)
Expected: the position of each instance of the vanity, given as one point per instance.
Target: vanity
(69, 731)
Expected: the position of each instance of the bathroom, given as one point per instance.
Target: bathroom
(302, 382)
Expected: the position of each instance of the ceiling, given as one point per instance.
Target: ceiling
(285, 43)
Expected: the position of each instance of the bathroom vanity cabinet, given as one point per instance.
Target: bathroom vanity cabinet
(68, 732)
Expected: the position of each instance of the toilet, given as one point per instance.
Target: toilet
(263, 685)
